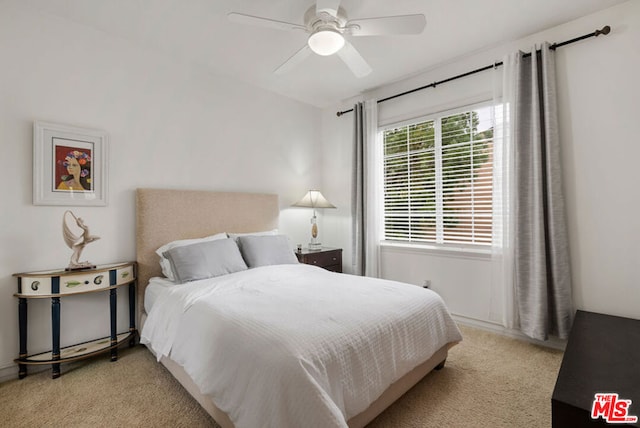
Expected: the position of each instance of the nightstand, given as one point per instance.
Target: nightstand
(57, 284)
(327, 258)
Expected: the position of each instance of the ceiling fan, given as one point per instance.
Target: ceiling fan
(327, 24)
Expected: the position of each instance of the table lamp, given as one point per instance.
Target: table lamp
(314, 199)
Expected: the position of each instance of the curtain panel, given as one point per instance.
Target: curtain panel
(534, 245)
(365, 191)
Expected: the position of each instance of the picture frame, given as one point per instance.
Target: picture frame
(69, 165)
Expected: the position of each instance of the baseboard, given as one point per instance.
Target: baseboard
(8, 373)
(494, 327)
(11, 372)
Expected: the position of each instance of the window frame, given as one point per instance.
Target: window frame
(459, 249)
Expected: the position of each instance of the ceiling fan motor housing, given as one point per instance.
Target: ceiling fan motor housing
(324, 21)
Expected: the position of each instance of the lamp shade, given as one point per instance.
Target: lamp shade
(314, 199)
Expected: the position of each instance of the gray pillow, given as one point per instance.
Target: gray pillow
(266, 250)
(205, 260)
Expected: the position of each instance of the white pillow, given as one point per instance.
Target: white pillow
(205, 260)
(166, 265)
(235, 236)
(265, 250)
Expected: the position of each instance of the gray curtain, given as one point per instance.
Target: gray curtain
(542, 269)
(358, 192)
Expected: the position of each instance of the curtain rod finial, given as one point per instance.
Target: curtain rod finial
(605, 30)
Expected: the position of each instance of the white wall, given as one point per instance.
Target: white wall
(174, 125)
(171, 125)
(598, 105)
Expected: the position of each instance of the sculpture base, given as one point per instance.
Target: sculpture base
(80, 267)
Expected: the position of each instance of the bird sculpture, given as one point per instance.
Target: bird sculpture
(77, 240)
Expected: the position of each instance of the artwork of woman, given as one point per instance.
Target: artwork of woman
(78, 175)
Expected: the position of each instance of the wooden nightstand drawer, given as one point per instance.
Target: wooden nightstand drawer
(324, 258)
(327, 258)
(334, 268)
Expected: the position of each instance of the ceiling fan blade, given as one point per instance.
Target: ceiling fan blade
(354, 60)
(241, 18)
(294, 60)
(327, 6)
(387, 25)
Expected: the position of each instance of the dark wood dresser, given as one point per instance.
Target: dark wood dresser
(602, 356)
(327, 258)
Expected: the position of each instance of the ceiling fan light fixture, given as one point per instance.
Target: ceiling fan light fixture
(326, 42)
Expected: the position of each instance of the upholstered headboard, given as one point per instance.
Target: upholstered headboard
(165, 215)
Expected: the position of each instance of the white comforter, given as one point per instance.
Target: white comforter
(296, 345)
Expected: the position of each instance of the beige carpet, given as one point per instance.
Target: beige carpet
(488, 381)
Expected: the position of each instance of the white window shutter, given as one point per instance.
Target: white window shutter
(438, 179)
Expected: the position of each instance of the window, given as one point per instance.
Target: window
(438, 179)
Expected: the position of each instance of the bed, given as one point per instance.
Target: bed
(168, 215)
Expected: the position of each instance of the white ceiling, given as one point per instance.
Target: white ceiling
(199, 31)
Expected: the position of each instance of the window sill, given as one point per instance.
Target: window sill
(466, 252)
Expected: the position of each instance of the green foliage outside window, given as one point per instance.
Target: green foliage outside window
(410, 168)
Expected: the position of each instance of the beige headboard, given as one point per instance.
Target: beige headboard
(165, 215)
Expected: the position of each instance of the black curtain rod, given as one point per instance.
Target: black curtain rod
(605, 30)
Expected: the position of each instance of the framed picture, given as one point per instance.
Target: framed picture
(69, 165)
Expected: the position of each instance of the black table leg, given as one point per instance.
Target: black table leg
(132, 313)
(55, 330)
(113, 312)
(22, 322)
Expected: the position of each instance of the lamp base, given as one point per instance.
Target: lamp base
(315, 246)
